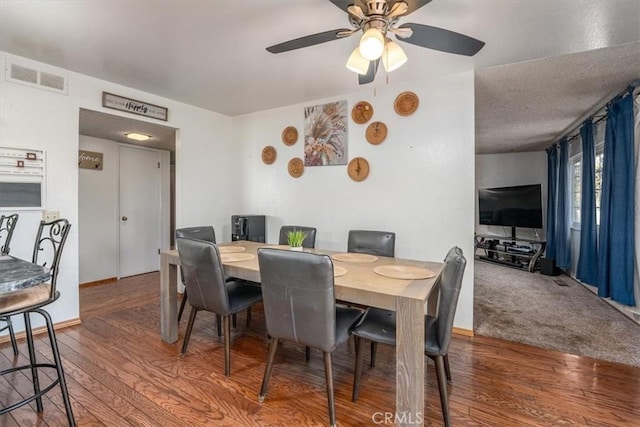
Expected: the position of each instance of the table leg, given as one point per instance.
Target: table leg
(168, 300)
(410, 373)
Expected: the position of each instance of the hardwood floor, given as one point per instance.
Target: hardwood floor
(120, 373)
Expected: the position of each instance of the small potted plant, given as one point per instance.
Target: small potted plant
(295, 239)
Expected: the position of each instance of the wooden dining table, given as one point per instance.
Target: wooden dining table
(360, 285)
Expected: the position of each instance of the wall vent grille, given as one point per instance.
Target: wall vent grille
(37, 78)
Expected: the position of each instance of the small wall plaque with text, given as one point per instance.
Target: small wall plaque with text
(90, 160)
(129, 105)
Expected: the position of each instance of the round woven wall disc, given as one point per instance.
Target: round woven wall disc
(376, 133)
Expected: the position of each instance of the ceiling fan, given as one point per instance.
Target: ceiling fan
(377, 19)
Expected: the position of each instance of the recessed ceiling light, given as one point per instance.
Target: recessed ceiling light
(137, 136)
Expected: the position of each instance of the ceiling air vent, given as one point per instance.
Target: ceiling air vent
(38, 78)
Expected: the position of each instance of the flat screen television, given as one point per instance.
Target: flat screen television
(519, 206)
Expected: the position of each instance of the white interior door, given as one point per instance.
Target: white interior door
(140, 210)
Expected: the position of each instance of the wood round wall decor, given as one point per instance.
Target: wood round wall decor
(268, 154)
(358, 169)
(376, 133)
(296, 167)
(362, 112)
(406, 103)
(289, 135)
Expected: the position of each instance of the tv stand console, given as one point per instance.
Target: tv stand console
(513, 252)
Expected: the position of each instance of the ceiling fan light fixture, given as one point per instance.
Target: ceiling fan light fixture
(393, 56)
(137, 136)
(372, 44)
(357, 63)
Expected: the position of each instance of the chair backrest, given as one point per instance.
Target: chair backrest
(203, 275)
(380, 243)
(298, 297)
(47, 250)
(7, 225)
(309, 242)
(204, 232)
(450, 282)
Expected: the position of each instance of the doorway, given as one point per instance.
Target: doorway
(129, 185)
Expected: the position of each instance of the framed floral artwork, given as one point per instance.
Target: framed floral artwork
(325, 134)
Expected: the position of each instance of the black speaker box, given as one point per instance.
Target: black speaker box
(548, 267)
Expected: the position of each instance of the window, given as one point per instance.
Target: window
(598, 183)
(576, 185)
(576, 189)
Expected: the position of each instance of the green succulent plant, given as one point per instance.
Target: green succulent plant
(296, 237)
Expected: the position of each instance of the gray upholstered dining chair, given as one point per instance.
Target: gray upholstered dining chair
(47, 251)
(299, 306)
(372, 242)
(209, 290)
(309, 242)
(380, 326)
(7, 226)
(206, 233)
(379, 243)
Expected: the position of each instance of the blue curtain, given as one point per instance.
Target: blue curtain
(616, 251)
(552, 184)
(587, 270)
(563, 242)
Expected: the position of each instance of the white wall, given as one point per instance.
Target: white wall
(506, 170)
(97, 213)
(40, 119)
(420, 185)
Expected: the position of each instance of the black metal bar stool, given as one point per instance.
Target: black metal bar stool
(7, 225)
(30, 296)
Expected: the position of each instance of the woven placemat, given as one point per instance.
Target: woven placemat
(236, 257)
(354, 257)
(404, 272)
(339, 271)
(231, 249)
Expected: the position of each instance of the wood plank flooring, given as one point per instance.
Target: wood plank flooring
(120, 373)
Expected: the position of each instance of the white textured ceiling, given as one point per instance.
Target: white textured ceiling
(212, 53)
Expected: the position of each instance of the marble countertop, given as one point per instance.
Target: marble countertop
(16, 274)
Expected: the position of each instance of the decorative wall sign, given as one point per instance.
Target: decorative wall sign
(376, 133)
(358, 169)
(133, 106)
(90, 160)
(406, 103)
(268, 154)
(325, 134)
(289, 135)
(362, 112)
(296, 167)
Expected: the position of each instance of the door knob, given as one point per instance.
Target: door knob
(124, 218)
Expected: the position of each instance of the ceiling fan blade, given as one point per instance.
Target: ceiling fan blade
(306, 41)
(413, 5)
(442, 40)
(344, 4)
(364, 79)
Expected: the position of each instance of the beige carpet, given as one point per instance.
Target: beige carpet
(551, 312)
